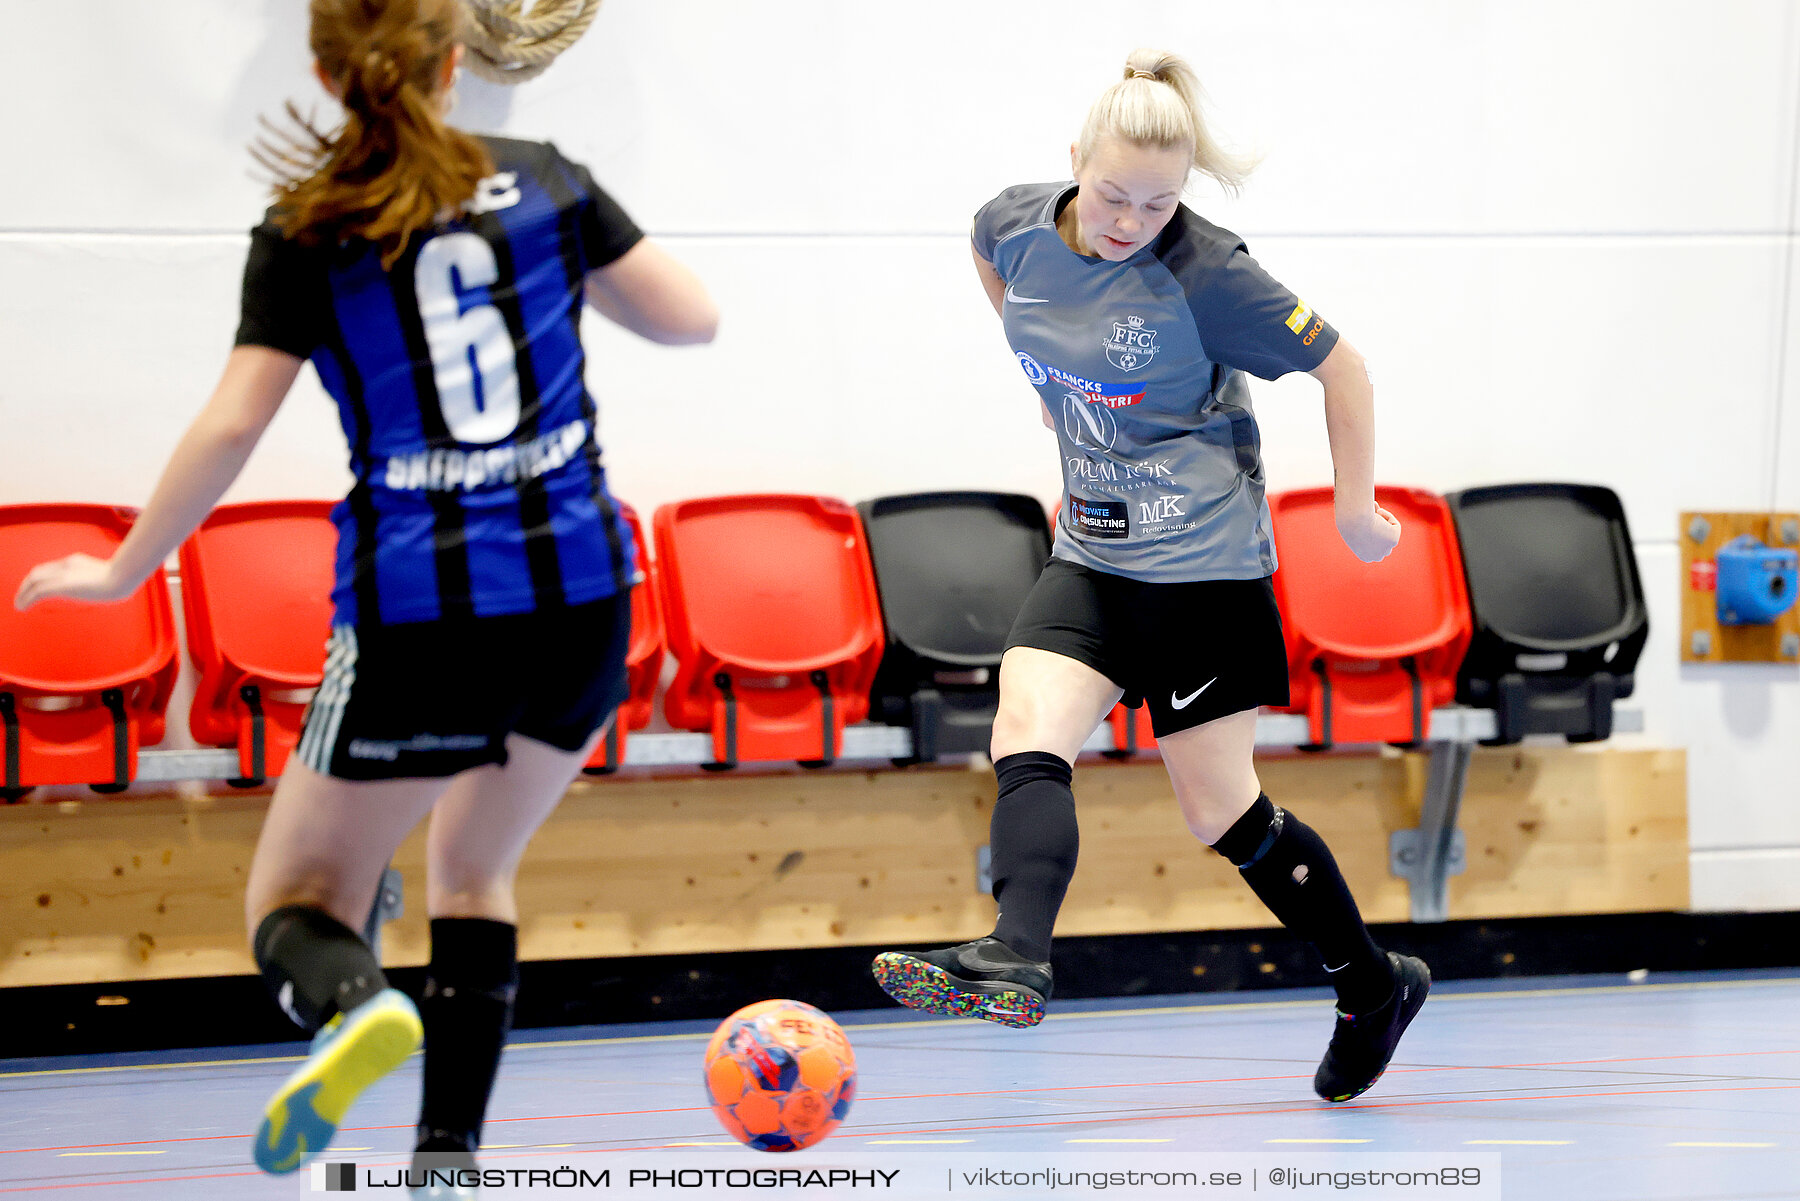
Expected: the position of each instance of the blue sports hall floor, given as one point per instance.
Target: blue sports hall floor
(1681, 1085)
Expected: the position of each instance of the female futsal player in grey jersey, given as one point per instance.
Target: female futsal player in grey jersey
(1135, 319)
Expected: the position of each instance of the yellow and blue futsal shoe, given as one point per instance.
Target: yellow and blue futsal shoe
(350, 1052)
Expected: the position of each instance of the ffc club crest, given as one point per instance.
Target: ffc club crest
(1131, 346)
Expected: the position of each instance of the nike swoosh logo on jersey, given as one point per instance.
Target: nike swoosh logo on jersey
(1018, 299)
(1182, 702)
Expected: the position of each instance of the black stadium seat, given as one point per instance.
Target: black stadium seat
(1559, 609)
(952, 569)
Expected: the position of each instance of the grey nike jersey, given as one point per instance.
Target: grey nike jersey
(1141, 365)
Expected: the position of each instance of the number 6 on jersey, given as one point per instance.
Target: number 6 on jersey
(453, 333)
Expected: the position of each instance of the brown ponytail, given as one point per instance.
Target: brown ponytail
(394, 166)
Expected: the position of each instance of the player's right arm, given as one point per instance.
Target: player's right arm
(991, 283)
(995, 287)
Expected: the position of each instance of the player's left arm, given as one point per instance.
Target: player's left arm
(652, 294)
(1369, 530)
(208, 458)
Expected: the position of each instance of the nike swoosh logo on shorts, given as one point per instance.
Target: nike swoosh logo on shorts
(1018, 299)
(1182, 702)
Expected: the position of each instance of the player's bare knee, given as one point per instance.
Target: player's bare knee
(316, 888)
(1211, 808)
(1015, 729)
(1204, 825)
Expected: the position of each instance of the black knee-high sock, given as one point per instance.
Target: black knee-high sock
(1292, 871)
(314, 965)
(467, 1009)
(1034, 841)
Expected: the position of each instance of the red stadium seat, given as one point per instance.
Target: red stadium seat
(774, 622)
(81, 686)
(643, 658)
(1372, 647)
(1131, 732)
(256, 583)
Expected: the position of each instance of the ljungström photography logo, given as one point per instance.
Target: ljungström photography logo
(334, 1178)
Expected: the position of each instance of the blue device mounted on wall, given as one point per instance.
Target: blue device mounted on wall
(1756, 582)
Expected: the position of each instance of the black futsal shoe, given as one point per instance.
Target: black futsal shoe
(1362, 1043)
(980, 979)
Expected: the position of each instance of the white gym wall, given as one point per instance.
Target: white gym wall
(1563, 234)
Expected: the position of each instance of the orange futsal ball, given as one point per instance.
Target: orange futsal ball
(780, 1075)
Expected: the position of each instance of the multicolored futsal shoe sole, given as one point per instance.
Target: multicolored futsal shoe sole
(350, 1053)
(919, 985)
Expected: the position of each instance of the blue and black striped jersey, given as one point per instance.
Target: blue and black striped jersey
(458, 375)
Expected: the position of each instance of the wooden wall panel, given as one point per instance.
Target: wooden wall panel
(1565, 832)
(151, 887)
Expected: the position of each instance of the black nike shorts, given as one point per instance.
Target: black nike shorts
(433, 698)
(1193, 652)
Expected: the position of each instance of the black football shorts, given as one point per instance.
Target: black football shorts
(1192, 652)
(433, 698)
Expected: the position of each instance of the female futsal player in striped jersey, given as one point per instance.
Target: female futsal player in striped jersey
(1136, 320)
(435, 280)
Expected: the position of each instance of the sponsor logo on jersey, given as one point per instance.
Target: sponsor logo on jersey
(1099, 518)
(1113, 396)
(1132, 344)
(1318, 327)
(1034, 370)
(1086, 425)
(465, 470)
(1297, 319)
(1110, 471)
(1159, 509)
